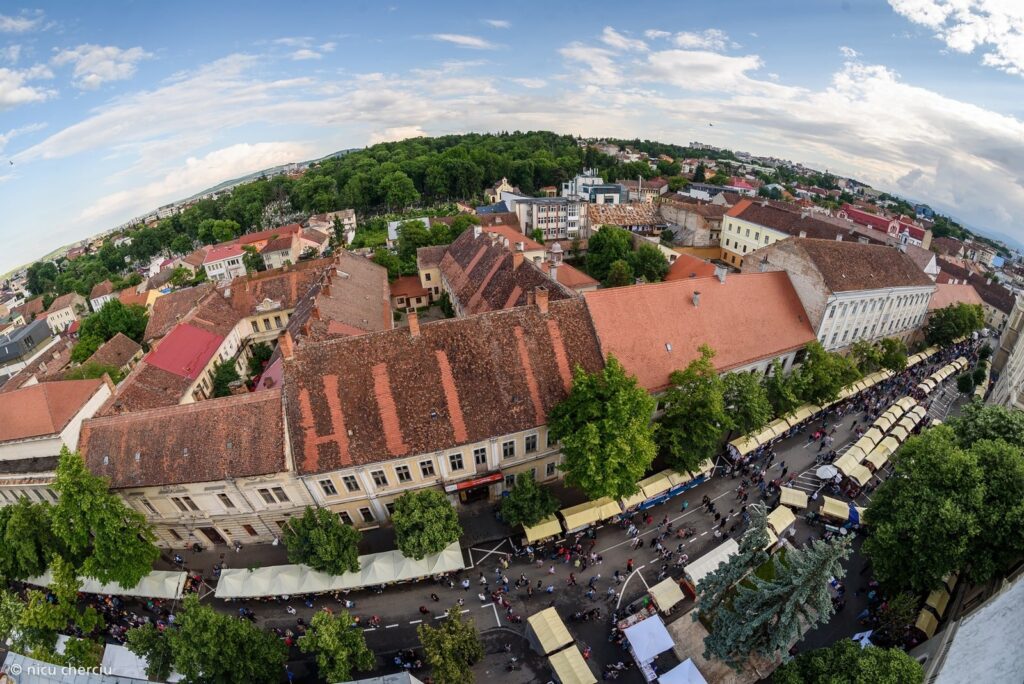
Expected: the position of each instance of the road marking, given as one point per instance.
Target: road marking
(370, 629)
(390, 626)
(622, 592)
(488, 553)
(415, 622)
(497, 618)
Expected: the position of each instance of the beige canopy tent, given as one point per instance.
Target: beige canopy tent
(655, 485)
(879, 457)
(548, 527)
(877, 377)
(744, 445)
(792, 497)
(834, 508)
(374, 569)
(550, 631)
(666, 594)
(916, 359)
(938, 600)
(906, 403)
(161, 584)
(845, 463)
(709, 562)
(859, 474)
(885, 421)
(950, 580)
(804, 412)
(856, 452)
(927, 623)
(584, 514)
(679, 478)
(571, 668)
(704, 469)
(900, 433)
(633, 500)
(780, 519)
(873, 434)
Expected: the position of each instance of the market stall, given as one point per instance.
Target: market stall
(666, 594)
(696, 570)
(927, 623)
(648, 639)
(159, 584)
(937, 601)
(781, 519)
(546, 528)
(578, 517)
(685, 672)
(835, 509)
(570, 667)
(546, 631)
(792, 497)
(859, 474)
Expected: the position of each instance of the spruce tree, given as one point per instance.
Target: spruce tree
(716, 586)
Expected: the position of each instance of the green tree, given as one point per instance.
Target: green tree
(411, 236)
(606, 246)
(252, 260)
(528, 503)
(112, 318)
(92, 370)
(11, 610)
(648, 263)
(260, 354)
(386, 258)
(224, 373)
(746, 401)
(694, 418)
(451, 648)
(42, 618)
(895, 616)
(26, 539)
(698, 174)
(605, 429)
(425, 523)
(398, 190)
(42, 277)
(717, 586)
(181, 245)
(149, 643)
(180, 276)
(339, 645)
(321, 541)
(924, 517)
(985, 351)
(1001, 513)
(781, 389)
(965, 383)
(620, 273)
(952, 322)
(980, 374)
(866, 355)
(823, 374)
(537, 235)
(846, 661)
(766, 615)
(894, 354)
(979, 421)
(114, 542)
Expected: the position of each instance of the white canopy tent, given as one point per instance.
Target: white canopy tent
(374, 568)
(709, 562)
(648, 638)
(685, 672)
(161, 584)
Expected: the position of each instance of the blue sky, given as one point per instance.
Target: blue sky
(111, 109)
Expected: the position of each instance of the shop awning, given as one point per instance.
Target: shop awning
(551, 632)
(161, 584)
(548, 527)
(475, 482)
(792, 497)
(845, 463)
(582, 514)
(772, 538)
(874, 435)
(906, 403)
(666, 594)
(571, 668)
(803, 413)
(834, 508)
(927, 623)
(855, 453)
(878, 458)
(655, 485)
(900, 433)
(744, 445)
(704, 469)
(938, 600)
(709, 562)
(859, 474)
(633, 500)
(608, 508)
(780, 519)
(648, 638)
(679, 478)
(685, 672)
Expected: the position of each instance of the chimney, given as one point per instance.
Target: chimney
(721, 272)
(476, 232)
(763, 265)
(803, 233)
(517, 259)
(696, 297)
(529, 298)
(414, 322)
(541, 295)
(520, 246)
(315, 313)
(287, 345)
(553, 270)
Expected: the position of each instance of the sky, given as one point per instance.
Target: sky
(111, 109)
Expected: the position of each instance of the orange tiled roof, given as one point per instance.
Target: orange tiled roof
(946, 294)
(408, 286)
(43, 409)
(655, 329)
(117, 351)
(689, 266)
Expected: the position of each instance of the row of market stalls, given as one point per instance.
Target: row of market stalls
(651, 491)
(872, 451)
(936, 378)
(550, 637)
(159, 584)
(935, 606)
(375, 569)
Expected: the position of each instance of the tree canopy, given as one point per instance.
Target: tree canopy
(321, 541)
(112, 318)
(425, 523)
(746, 402)
(528, 503)
(648, 263)
(823, 374)
(26, 539)
(952, 322)
(781, 389)
(451, 648)
(694, 419)
(605, 429)
(339, 645)
(605, 247)
(846, 662)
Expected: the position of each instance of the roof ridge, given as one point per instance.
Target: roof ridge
(193, 407)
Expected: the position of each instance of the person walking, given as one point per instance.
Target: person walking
(435, 598)
(629, 566)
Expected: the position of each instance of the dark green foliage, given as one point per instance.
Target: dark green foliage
(528, 503)
(965, 383)
(112, 318)
(451, 648)
(845, 661)
(694, 420)
(224, 373)
(425, 523)
(321, 541)
(952, 322)
(260, 353)
(620, 273)
(648, 263)
(605, 247)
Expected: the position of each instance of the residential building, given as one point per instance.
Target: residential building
(30, 309)
(224, 262)
(428, 266)
(267, 300)
(899, 227)
(168, 310)
(1008, 361)
(38, 421)
(647, 191)
(220, 473)
(21, 346)
(754, 224)
(574, 187)
(282, 251)
(741, 186)
(948, 246)
(493, 193)
(48, 365)
(694, 223)
(259, 240)
(324, 223)
(606, 193)
(65, 310)
(408, 292)
(998, 301)
(314, 242)
(750, 320)
(11, 322)
(851, 291)
(120, 351)
(101, 294)
(558, 218)
(636, 217)
(980, 253)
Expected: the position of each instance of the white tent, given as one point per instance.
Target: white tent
(161, 584)
(709, 562)
(685, 672)
(374, 568)
(120, 662)
(648, 638)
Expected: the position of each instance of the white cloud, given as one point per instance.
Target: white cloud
(26, 21)
(306, 53)
(996, 27)
(396, 133)
(471, 42)
(529, 82)
(709, 39)
(305, 47)
(848, 52)
(498, 23)
(10, 53)
(294, 41)
(21, 130)
(95, 65)
(599, 63)
(197, 174)
(618, 41)
(654, 34)
(328, 47)
(17, 87)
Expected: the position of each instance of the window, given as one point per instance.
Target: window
(328, 488)
(426, 276)
(250, 530)
(380, 478)
(403, 473)
(367, 515)
(508, 449)
(255, 326)
(480, 456)
(456, 461)
(345, 517)
(551, 439)
(757, 235)
(549, 469)
(266, 324)
(531, 443)
(175, 535)
(267, 496)
(766, 239)
(180, 504)
(350, 483)
(427, 468)
(390, 508)
(855, 331)
(277, 321)
(281, 496)
(747, 234)
(510, 481)
(846, 333)
(832, 311)
(148, 506)
(226, 500)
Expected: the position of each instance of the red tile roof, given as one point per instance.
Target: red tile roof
(129, 296)
(185, 351)
(281, 244)
(207, 441)
(408, 286)
(250, 238)
(99, 289)
(146, 387)
(570, 276)
(43, 409)
(170, 309)
(514, 236)
(370, 398)
(849, 266)
(689, 266)
(946, 294)
(655, 329)
(883, 223)
(31, 308)
(63, 302)
(117, 351)
(278, 287)
(222, 252)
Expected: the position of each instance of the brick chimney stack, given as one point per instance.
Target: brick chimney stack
(517, 260)
(414, 322)
(287, 345)
(541, 295)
